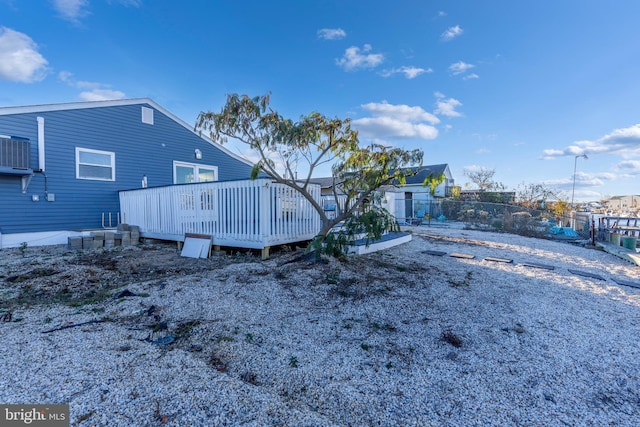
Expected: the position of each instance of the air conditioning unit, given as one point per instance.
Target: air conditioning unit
(14, 152)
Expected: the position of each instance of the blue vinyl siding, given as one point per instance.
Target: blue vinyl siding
(140, 149)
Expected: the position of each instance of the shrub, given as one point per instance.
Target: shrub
(372, 224)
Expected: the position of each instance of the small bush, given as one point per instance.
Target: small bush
(373, 224)
(450, 338)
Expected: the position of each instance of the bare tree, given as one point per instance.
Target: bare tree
(483, 179)
(535, 196)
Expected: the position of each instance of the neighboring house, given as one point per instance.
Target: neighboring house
(62, 165)
(624, 204)
(412, 200)
(403, 201)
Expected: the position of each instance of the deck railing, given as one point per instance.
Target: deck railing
(628, 226)
(248, 214)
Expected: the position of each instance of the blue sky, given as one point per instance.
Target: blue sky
(519, 87)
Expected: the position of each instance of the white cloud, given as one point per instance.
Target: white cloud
(452, 33)
(354, 59)
(485, 136)
(460, 67)
(389, 127)
(447, 107)
(629, 166)
(442, 13)
(605, 176)
(65, 76)
(550, 153)
(471, 76)
(397, 121)
(68, 78)
(101, 95)
(623, 142)
(71, 10)
(74, 10)
(400, 112)
(128, 3)
(20, 60)
(91, 91)
(331, 33)
(584, 179)
(409, 72)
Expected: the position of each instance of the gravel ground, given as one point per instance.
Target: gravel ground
(398, 337)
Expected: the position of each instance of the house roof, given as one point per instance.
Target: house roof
(622, 197)
(115, 103)
(324, 182)
(424, 172)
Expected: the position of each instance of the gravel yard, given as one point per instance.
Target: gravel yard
(142, 336)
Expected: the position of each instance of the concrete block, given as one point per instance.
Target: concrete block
(74, 243)
(87, 242)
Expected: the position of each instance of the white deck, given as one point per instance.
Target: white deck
(253, 214)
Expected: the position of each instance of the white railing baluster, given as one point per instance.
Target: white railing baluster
(250, 214)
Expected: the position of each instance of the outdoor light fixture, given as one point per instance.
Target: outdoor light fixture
(198, 154)
(575, 164)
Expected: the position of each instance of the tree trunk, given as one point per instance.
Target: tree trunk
(327, 225)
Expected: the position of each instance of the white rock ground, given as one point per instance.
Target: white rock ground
(264, 344)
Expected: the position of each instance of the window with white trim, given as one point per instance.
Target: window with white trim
(187, 173)
(95, 164)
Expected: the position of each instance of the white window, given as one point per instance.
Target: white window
(95, 164)
(187, 173)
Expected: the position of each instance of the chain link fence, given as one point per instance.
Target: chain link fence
(499, 217)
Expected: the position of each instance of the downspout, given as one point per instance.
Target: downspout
(41, 144)
(41, 155)
(26, 179)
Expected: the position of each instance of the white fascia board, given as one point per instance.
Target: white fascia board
(71, 106)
